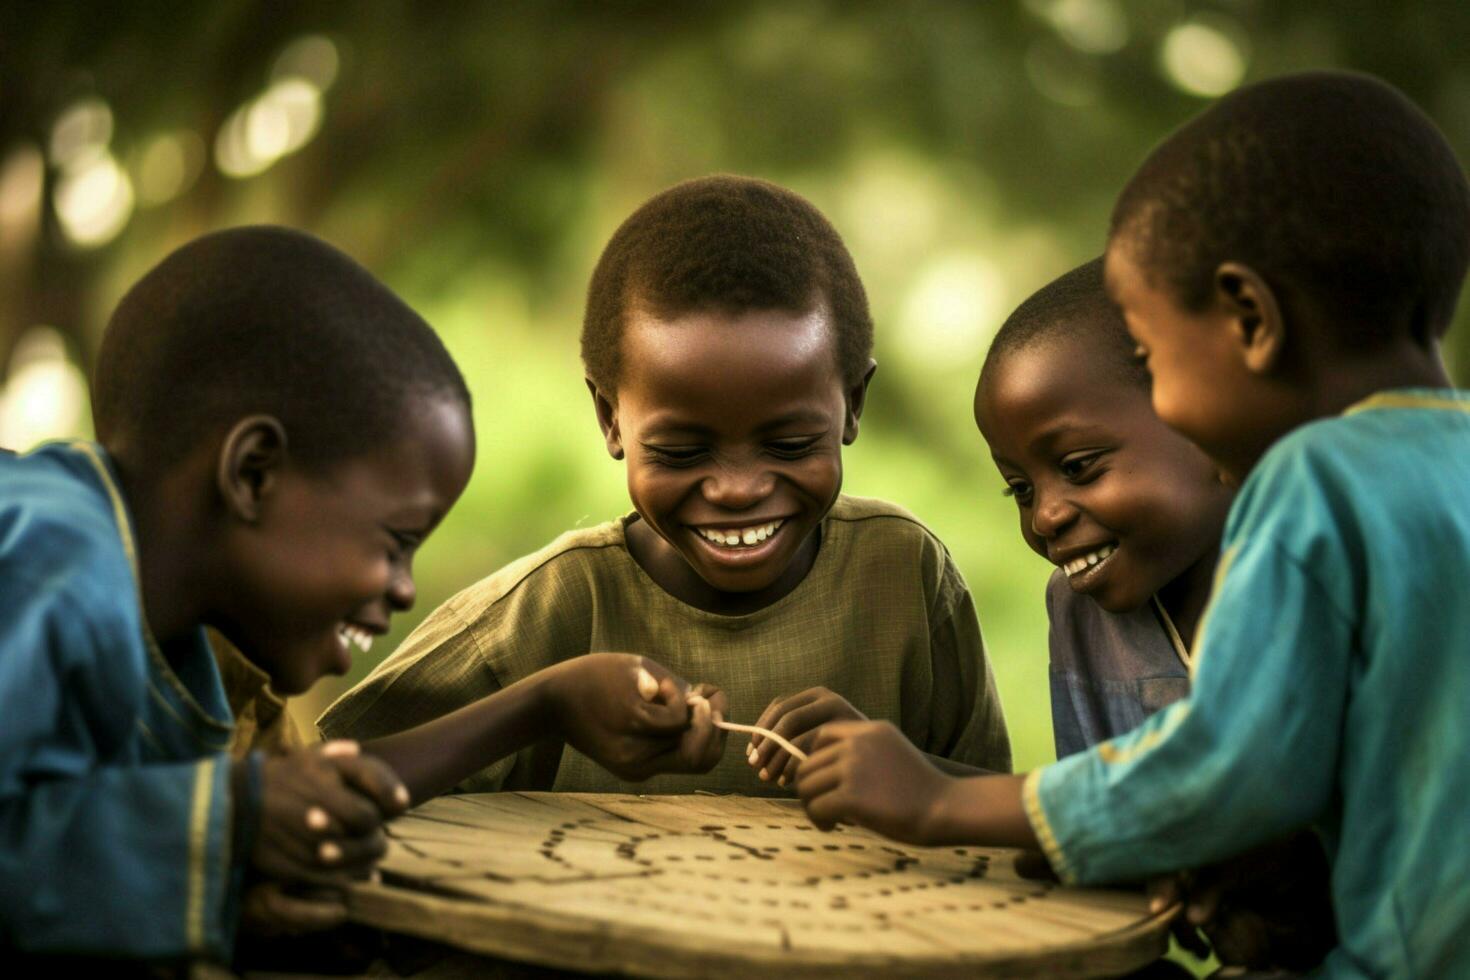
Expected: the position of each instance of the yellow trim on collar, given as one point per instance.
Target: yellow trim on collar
(1036, 814)
(1398, 399)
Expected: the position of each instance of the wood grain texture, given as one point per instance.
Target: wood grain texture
(677, 886)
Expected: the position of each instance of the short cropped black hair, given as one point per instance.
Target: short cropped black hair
(263, 320)
(730, 244)
(1072, 306)
(1331, 183)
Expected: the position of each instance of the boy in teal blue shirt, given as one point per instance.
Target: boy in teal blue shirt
(1288, 262)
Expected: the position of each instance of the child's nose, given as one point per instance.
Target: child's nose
(736, 488)
(401, 590)
(1050, 515)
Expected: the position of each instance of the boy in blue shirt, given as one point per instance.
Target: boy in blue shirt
(1288, 262)
(278, 434)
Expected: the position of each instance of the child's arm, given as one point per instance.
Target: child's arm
(594, 702)
(869, 774)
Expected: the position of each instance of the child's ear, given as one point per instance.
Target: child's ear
(1251, 305)
(250, 461)
(857, 395)
(607, 419)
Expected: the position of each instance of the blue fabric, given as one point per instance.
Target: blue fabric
(1332, 685)
(114, 780)
(1109, 671)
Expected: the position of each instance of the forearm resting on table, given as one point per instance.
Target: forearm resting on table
(985, 810)
(439, 754)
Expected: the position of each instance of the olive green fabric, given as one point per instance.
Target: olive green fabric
(883, 618)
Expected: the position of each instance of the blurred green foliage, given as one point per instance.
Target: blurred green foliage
(476, 157)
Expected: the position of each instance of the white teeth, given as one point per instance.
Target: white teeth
(1089, 560)
(355, 635)
(740, 536)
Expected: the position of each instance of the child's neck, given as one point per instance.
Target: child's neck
(166, 533)
(672, 573)
(1348, 377)
(1185, 597)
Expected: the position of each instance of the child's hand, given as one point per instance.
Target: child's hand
(797, 719)
(867, 773)
(269, 910)
(633, 717)
(1268, 908)
(322, 810)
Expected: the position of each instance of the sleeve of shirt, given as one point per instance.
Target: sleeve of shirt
(967, 723)
(1252, 753)
(98, 859)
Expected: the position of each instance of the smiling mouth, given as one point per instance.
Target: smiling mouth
(350, 635)
(1090, 560)
(736, 538)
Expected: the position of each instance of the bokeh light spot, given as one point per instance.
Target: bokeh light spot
(951, 310)
(1204, 57)
(94, 201)
(312, 58)
(1090, 26)
(168, 166)
(22, 179)
(81, 131)
(45, 394)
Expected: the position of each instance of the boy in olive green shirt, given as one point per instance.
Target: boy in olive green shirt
(727, 345)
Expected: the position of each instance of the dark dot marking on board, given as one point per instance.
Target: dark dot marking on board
(831, 847)
(711, 828)
(742, 826)
(803, 847)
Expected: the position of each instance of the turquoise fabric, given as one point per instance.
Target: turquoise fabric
(1332, 687)
(114, 780)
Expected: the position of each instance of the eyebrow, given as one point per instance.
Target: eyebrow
(1055, 432)
(673, 426)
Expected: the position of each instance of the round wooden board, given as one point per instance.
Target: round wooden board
(677, 886)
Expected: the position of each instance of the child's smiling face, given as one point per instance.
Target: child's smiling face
(732, 425)
(1104, 490)
(330, 554)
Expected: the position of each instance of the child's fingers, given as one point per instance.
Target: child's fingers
(788, 772)
(272, 910)
(671, 687)
(349, 813)
(376, 780)
(778, 708)
(352, 854)
(837, 732)
(827, 809)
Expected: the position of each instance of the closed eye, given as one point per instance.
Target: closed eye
(1081, 465)
(674, 455)
(1020, 490)
(792, 448)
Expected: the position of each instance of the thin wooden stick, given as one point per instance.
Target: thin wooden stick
(730, 726)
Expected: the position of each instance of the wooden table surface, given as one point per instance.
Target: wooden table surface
(678, 886)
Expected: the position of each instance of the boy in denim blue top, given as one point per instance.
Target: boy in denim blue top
(1288, 262)
(1129, 511)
